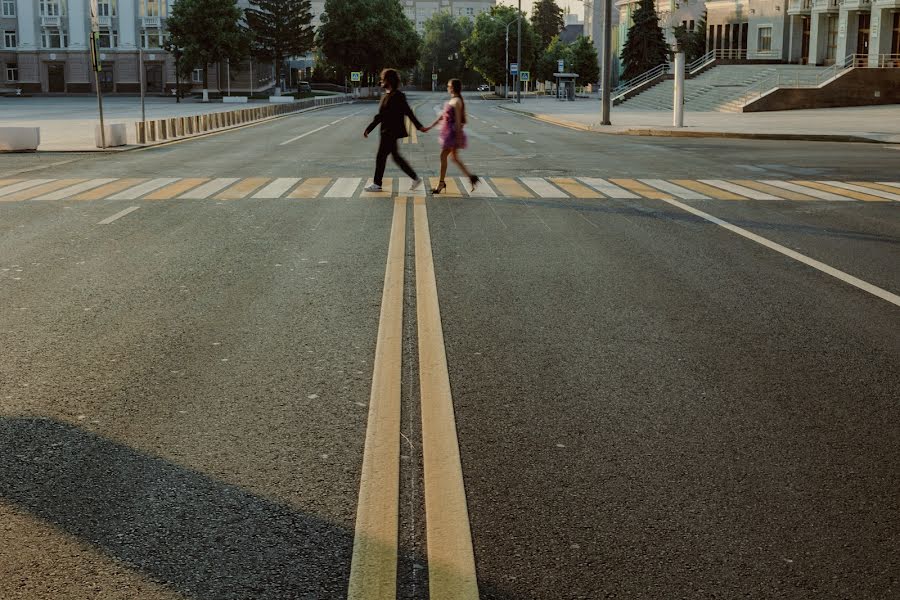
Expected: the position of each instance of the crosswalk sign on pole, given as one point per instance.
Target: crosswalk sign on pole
(525, 75)
(355, 75)
(514, 68)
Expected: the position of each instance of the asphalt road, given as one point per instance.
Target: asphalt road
(647, 403)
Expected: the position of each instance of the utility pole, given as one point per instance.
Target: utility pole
(606, 67)
(519, 53)
(141, 69)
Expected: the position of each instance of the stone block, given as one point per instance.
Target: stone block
(115, 135)
(19, 139)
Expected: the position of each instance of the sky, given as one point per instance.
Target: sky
(575, 6)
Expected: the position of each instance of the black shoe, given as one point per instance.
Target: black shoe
(441, 187)
(473, 179)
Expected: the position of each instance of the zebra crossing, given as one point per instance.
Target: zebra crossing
(524, 188)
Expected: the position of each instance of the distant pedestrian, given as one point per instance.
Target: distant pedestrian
(452, 137)
(391, 111)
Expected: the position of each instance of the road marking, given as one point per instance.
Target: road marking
(890, 183)
(845, 277)
(75, 189)
(144, 188)
(531, 141)
(208, 189)
(575, 189)
(739, 189)
(451, 560)
(609, 189)
(310, 188)
(543, 188)
(243, 189)
(483, 190)
(22, 185)
(344, 187)
(510, 188)
(303, 135)
(277, 188)
(179, 187)
(118, 215)
(841, 193)
(641, 188)
(877, 186)
(675, 190)
(40, 190)
(787, 185)
(105, 190)
(373, 568)
(864, 189)
(387, 188)
(453, 189)
(771, 189)
(709, 190)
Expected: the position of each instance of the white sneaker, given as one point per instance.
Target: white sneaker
(373, 188)
(416, 184)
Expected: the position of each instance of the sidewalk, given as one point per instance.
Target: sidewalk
(864, 123)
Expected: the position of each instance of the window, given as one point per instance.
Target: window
(152, 38)
(53, 38)
(197, 75)
(106, 8)
(764, 40)
(153, 8)
(470, 12)
(12, 71)
(106, 77)
(51, 8)
(9, 39)
(9, 8)
(109, 38)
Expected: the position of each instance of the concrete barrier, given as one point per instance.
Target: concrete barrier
(115, 135)
(235, 99)
(19, 139)
(281, 99)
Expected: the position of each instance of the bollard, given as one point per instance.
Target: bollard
(173, 127)
(140, 135)
(151, 131)
(179, 127)
(163, 129)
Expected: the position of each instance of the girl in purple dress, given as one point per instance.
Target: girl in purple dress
(452, 136)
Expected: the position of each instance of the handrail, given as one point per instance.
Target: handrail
(702, 62)
(632, 84)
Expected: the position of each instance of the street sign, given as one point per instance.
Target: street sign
(434, 76)
(355, 75)
(560, 66)
(96, 64)
(514, 68)
(525, 76)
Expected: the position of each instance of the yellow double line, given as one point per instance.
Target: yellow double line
(451, 560)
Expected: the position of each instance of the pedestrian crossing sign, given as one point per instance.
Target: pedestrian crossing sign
(524, 75)
(355, 75)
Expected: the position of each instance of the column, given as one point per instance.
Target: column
(127, 24)
(77, 20)
(817, 36)
(880, 30)
(26, 27)
(846, 42)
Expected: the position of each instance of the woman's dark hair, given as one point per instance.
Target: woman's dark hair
(392, 78)
(456, 86)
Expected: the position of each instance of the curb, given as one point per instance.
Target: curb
(650, 132)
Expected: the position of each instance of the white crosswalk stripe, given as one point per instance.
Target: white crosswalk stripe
(75, 189)
(607, 188)
(209, 188)
(277, 188)
(483, 190)
(890, 183)
(543, 188)
(739, 189)
(22, 185)
(344, 187)
(801, 189)
(864, 190)
(675, 190)
(145, 188)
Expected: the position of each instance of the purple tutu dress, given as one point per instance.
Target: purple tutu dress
(448, 130)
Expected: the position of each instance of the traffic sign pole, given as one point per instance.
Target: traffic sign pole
(96, 67)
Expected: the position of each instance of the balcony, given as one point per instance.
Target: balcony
(104, 21)
(51, 21)
(800, 7)
(829, 6)
(856, 4)
(150, 22)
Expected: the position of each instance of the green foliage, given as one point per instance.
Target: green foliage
(584, 61)
(441, 50)
(209, 32)
(692, 42)
(280, 29)
(367, 35)
(547, 18)
(548, 61)
(645, 47)
(485, 49)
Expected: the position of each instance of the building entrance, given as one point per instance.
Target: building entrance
(56, 78)
(862, 39)
(804, 40)
(153, 78)
(895, 37)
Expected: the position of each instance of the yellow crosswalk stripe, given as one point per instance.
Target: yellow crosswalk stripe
(243, 188)
(712, 192)
(8, 181)
(40, 190)
(510, 188)
(109, 189)
(844, 185)
(176, 189)
(452, 189)
(771, 189)
(388, 187)
(575, 189)
(310, 188)
(868, 184)
(839, 191)
(641, 189)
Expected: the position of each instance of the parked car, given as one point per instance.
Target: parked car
(484, 87)
(303, 86)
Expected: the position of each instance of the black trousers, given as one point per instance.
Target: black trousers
(388, 147)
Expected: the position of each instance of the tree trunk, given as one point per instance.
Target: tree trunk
(205, 76)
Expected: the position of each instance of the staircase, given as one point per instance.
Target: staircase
(720, 88)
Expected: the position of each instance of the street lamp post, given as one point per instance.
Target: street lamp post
(519, 53)
(506, 72)
(606, 60)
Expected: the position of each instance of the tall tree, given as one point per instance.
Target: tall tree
(692, 42)
(485, 49)
(584, 60)
(547, 18)
(209, 31)
(549, 59)
(441, 50)
(646, 46)
(367, 35)
(280, 29)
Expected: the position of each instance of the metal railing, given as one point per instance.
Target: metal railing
(827, 4)
(730, 53)
(701, 63)
(889, 61)
(799, 5)
(626, 87)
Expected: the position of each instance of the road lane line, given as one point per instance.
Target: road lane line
(303, 135)
(144, 188)
(641, 188)
(310, 188)
(787, 185)
(40, 190)
(22, 185)
(451, 560)
(105, 190)
(675, 190)
(75, 189)
(739, 189)
(208, 189)
(373, 568)
(179, 187)
(607, 188)
(865, 190)
(531, 141)
(277, 188)
(543, 188)
(118, 215)
(344, 187)
(709, 190)
(845, 277)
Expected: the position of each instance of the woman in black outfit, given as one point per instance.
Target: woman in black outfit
(391, 110)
